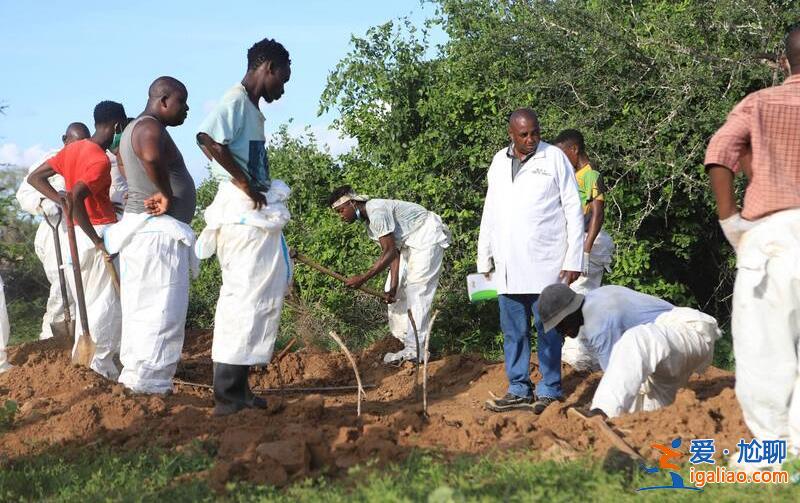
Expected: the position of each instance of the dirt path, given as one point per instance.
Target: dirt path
(61, 404)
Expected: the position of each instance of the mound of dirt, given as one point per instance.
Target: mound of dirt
(301, 434)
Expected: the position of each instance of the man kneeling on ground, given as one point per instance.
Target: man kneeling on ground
(647, 347)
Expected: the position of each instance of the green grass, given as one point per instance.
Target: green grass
(106, 475)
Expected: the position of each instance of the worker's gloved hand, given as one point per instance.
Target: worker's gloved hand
(49, 208)
(734, 228)
(585, 270)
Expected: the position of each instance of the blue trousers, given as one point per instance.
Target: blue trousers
(516, 311)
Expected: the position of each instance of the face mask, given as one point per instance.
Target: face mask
(115, 141)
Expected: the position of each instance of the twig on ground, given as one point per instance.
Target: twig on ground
(360, 391)
(416, 359)
(313, 389)
(425, 366)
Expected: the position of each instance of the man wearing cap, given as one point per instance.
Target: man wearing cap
(531, 236)
(647, 347)
(412, 241)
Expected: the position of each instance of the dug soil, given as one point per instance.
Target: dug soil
(68, 407)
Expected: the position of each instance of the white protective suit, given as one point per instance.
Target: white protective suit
(156, 256)
(532, 227)
(256, 271)
(651, 362)
(5, 329)
(420, 265)
(574, 351)
(766, 328)
(34, 203)
(102, 303)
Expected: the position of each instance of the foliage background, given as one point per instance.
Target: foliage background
(647, 82)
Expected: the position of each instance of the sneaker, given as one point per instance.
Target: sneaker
(509, 402)
(541, 403)
(402, 356)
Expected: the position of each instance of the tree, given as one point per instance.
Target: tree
(647, 82)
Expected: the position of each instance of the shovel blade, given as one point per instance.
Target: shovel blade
(84, 351)
(63, 330)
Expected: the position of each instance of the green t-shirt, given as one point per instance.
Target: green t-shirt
(590, 187)
(239, 124)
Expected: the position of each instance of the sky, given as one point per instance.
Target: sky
(59, 59)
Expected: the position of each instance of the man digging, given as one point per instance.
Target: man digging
(412, 241)
(33, 202)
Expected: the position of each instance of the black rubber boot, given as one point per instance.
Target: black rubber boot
(251, 400)
(230, 388)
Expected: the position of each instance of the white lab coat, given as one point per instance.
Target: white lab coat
(5, 329)
(156, 255)
(532, 228)
(256, 272)
(34, 203)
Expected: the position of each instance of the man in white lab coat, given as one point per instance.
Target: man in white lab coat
(531, 236)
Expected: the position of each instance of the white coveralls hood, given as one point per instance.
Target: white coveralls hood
(156, 256)
(34, 203)
(534, 219)
(5, 329)
(256, 271)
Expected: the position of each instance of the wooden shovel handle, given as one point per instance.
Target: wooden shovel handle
(66, 203)
(333, 274)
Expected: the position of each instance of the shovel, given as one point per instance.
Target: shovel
(62, 330)
(333, 274)
(84, 349)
